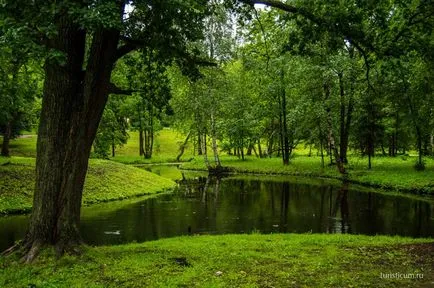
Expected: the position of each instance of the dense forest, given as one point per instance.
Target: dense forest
(345, 81)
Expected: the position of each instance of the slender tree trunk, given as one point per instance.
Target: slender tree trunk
(204, 150)
(270, 145)
(369, 160)
(331, 139)
(8, 127)
(345, 119)
(249, 150)
(284, 125)
(431, 140)
(254, 151)
(72, 107)
(259, 148)
(151, 131)
(242, 149)
(113, 148)
(322, 153)
(214, 141)
(182, 147)
(199, 143)
(141, 144)
(6, 139)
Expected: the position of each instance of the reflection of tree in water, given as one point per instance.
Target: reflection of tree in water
(284, 203)
(340, 203)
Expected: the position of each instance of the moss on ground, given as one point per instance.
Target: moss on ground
(307, 260)
(105, 181)
(386, 173)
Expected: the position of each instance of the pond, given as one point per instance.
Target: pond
(246, 204)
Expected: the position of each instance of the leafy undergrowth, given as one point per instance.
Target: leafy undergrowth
(388, 173)
(105, 181)
(235, 261)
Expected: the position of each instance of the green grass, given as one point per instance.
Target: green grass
(166, 148)
(279, 260)
(105, 181)
(387, 173)
(24, 146)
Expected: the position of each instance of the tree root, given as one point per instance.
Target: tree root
(71, 248)
(32, 252)
(12, 249)
(30, 247)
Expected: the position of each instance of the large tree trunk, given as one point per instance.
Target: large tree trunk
(6, 139)
(71, 111)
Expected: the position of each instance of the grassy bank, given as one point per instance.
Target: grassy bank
(105, 181)
(388, 173)
(234, 261)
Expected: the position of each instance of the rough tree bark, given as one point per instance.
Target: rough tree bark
(72, 107)
(6, 139)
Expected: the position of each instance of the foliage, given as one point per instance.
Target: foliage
(112, 130)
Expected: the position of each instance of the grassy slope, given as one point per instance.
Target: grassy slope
(166, 148)
(105, 181)
(391, 173)
(245, 261)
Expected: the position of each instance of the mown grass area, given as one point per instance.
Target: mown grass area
(105, 181)
(23, 146)
(388, 173)
(279, 260)
(166, 148)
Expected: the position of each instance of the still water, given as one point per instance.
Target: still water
(242, 204)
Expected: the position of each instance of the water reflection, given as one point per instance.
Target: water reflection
(204, 205)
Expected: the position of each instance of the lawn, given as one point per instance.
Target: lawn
(276, 260)
(166, 148)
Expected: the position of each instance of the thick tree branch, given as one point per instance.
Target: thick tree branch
(342, 31)
(113, 89)
(287, 8)
(134, 44)
(124, 49)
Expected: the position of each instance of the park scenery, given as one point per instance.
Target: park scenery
(216, 143)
